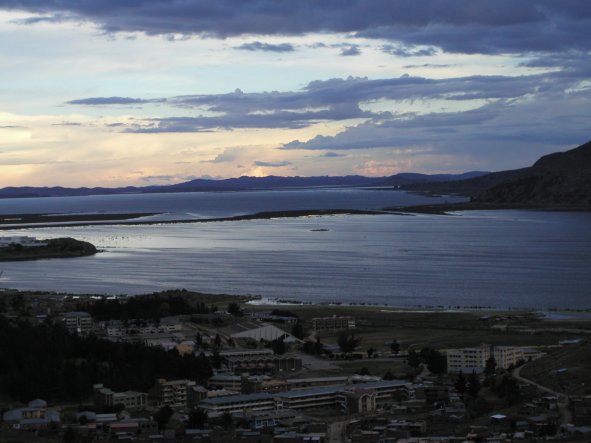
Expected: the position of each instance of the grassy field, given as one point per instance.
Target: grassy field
(440, 329)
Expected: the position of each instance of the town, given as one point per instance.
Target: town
(180, 366)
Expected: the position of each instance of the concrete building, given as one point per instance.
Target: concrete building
(238, 403)
(361, 397)
(105, 397)
(333, 323)
(78, 322)
(474, 359)
(263, 364)
(172, 393)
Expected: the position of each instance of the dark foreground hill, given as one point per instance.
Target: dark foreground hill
(559, 179)
(562, 178)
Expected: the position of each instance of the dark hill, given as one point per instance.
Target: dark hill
(562, 178)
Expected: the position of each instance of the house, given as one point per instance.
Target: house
(34, 416)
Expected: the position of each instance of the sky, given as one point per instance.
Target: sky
(144, 92)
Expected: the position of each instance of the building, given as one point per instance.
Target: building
(263, 364)
(258, 331)
(333, 323)
(238, 403)
(362, 397)
(106, 398)
(172, 393)
(34, 416)
(474, 359)
(78, 322)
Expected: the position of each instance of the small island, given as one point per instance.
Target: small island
(29, 248)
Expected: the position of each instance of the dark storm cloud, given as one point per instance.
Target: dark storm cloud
(468, 26)
(503, 129)
(266, 47)
(343, 99)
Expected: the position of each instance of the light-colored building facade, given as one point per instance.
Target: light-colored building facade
(333, 323)
(172, 393)
(78, 322)
(474, 359)
(105, 397)
(360, 397)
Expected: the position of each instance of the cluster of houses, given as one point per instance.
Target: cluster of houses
(271, 398)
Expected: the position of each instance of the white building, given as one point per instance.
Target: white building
(474, 359)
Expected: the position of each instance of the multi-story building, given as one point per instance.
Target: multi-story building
(263, 364)
(78, 322)
(333, 323)
(360, 397)
(105, 397)
(172, 393)
(474, 359)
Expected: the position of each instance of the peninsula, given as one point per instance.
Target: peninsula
(29, 248)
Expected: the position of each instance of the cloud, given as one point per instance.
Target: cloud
(272, 164)
(402, 51)
(332, 155)
(101, 101)
(465, 26)
(228, 155)
(266, 47)
(349, 51)
(159, 178)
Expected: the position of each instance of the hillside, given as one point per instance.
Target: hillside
(562, 178)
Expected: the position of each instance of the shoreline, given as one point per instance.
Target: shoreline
(77, 220)
(32, 221)
(259, 301)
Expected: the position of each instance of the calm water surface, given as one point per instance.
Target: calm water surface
(484, 258)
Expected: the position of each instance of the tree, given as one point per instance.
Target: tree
(297, 330)
(491, 365)
(414, 359)
(198, 340)
(278, 345)
(395, 346)
(436, 361)
(217, 341)
(460, 383)
(227, 420)
(235, 310)
(216, 359)
(197, 418)
(388, 375)
(163, 416)
(364, 371)
(348, 342)
(474, 385)
(370, 352)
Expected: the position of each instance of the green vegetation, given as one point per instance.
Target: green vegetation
(54, 248)
(149, 307)
(45, 361)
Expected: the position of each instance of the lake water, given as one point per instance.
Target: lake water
(483, 258)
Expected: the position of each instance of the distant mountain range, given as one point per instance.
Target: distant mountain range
(559, 179)
(241, 184)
